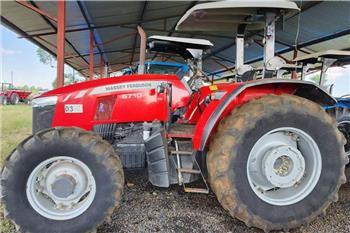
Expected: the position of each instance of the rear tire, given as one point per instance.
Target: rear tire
(3, 100)
(61, 180)
(343, 119)
(270, 207)
(14, 99)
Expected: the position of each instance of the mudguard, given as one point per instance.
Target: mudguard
(251, 90)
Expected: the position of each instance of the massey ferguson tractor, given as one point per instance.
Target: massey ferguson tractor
(268, 150)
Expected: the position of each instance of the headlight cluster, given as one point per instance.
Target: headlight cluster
(44, 101)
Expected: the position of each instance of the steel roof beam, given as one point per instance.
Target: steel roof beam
(105, 52)
(81, 7)
(55, 29)
(103, 26)
(36, 9)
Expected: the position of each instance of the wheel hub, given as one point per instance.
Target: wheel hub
(61, 188)
(284, 166)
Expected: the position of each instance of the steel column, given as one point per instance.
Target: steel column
(239, 51)
(101, 66)
(269, 37)
(61, 21)
(294, 72)
(91, 56)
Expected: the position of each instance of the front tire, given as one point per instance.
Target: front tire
(61, 180)
(277, 162)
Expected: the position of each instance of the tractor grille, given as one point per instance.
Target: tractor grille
(42, 117)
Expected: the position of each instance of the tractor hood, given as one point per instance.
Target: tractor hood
(129, 98)
(105, 81)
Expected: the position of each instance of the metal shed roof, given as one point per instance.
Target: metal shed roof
(323, 25)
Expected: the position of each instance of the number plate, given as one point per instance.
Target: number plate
(73, 108)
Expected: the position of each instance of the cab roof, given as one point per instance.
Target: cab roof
(177, 45)
(228, 15)
(332, 53)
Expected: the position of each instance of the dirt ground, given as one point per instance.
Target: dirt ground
(149, 209)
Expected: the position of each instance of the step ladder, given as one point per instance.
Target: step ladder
(195, 170)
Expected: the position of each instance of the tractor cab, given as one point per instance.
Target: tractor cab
(189, 49)
(240, 18)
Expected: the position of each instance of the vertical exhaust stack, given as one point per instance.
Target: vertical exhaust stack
(142, 33)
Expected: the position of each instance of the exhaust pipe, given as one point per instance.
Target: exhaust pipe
(142, 33)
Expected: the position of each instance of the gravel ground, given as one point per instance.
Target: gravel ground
(149, 209)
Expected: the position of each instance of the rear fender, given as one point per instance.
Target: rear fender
(216, 110)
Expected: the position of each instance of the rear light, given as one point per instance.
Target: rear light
(104, 108)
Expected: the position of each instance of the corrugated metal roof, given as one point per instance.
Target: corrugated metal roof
(323, 25)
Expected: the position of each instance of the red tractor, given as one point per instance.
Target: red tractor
(271, 154)
(9, 94)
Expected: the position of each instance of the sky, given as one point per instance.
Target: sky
(19, 56)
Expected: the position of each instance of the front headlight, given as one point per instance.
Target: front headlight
(44, 101)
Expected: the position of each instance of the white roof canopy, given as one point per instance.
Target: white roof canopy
(182, 40)
(313, 58)
(228, 15)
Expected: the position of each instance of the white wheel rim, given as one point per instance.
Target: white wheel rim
(284, 166)
(61, 188)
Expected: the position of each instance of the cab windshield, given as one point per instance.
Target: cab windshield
(177, 69)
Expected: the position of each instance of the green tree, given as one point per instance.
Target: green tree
(45, 57)
(48, 59)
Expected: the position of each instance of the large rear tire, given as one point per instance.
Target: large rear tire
(343, 119)
(3, 100)
(61, 180)
(277, 162)
(14, 99)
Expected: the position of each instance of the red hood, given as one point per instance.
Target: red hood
(106, 81)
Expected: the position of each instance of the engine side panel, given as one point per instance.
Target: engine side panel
(118, 100)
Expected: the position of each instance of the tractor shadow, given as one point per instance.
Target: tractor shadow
(146, 208)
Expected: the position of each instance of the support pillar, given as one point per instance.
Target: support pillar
(269, 46)
(294, 72)
(91, 56)
(240, 46)
(61, 21)
(239, 51)
(101, 66)
(106, 70)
